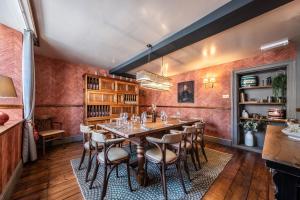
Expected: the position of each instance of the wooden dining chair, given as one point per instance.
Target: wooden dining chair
(49, 130)
(199, 141)
(88, 147)
(187, 146)
(111, 156)
(164, 157)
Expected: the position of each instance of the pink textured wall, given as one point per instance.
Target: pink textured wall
(218, 120)
(59, 91)
(11, 65)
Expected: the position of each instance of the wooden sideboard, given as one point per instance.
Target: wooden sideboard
(282, 155)
(10, 156)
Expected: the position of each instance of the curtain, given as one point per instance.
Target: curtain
(28, 77)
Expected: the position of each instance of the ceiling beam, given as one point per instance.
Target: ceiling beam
(225, 17)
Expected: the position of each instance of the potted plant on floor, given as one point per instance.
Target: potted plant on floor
(249, 127)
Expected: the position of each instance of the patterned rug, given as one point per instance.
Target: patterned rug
(118, 187)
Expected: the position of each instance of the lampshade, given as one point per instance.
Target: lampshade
(7, 88)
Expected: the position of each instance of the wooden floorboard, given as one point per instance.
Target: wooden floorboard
(51, 177)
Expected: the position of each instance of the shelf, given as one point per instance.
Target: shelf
(267, 120)
(256, 87)
(257, 103)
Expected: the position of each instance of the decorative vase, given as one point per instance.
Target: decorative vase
(249, 139)
(249, 80)
(3, 118)
(245, 114)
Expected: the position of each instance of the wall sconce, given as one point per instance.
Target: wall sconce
(209, 82)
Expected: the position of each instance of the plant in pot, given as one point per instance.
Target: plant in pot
(279, 87)
(249, 127)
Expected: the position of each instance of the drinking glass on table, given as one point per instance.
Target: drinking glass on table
(164, 117)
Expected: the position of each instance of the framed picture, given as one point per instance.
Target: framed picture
(186, 92)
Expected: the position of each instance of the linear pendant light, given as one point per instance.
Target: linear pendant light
(151, 80)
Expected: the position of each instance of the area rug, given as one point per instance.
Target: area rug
(118, 187)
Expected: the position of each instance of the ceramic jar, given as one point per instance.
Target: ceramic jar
(249, 139)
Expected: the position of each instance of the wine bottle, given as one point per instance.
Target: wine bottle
(97, 84)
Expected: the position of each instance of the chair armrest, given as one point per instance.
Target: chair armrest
(115, 141)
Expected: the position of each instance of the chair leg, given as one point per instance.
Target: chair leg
(164, 181)
(193, 158)
(186, 168)
(94, 175)
(197, 155)
(203, 151)
(128, 176)
(178, 167)
(44, 146)
(89, 166)
(105, 180)
(82, 158)
(130, 147)
(146, 170)
(117, 171)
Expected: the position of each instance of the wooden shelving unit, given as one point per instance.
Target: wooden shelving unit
(105, 98)
(259, 107)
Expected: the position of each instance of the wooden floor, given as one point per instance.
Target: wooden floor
(244, 177)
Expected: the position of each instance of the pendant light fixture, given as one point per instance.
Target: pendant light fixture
(151, 80)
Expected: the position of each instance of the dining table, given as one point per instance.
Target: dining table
(137, 134)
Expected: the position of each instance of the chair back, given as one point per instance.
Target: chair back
(84, 129)
(172, 138)
(200, 126)
(98, 137)
(43, 122)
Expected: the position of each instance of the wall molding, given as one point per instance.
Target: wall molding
(9, 188)
(194, 107)
(11, 106)
(58, 105)
(218, 140)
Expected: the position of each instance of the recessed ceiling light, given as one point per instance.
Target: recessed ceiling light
(271, 45)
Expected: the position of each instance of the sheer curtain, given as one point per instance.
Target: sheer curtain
(28, 77)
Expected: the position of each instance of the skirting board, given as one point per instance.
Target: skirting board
(217, 140)
(9, 188)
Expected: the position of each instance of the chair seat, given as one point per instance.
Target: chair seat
(50, 132)
(156, 155)
(188, 145)
(114, 154)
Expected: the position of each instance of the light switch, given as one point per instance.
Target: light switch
(225, 96)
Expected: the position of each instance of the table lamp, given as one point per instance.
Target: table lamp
(7, 89)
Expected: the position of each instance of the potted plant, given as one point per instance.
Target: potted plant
(249, 127)
(279, 86)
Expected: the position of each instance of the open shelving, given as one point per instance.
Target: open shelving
(105, 98)
(256, 103)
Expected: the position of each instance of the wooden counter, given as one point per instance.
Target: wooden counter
(281, 149)
(282, 155)
(8, 125)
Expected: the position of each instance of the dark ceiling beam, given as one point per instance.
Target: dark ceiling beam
(225, 17)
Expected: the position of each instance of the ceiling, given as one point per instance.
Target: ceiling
(236, 43)
(106, 33)
(10, 14)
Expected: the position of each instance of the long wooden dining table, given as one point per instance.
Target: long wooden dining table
(137, 135)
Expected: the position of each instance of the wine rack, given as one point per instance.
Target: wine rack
(106, 98)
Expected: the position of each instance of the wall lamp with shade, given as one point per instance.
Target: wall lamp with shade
(7, 89)
(209, 81)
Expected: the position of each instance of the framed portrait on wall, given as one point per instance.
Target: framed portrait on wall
(185, 92)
